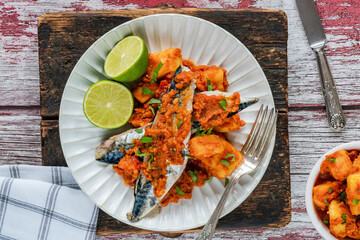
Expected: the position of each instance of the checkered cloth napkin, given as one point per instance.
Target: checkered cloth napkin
(38, 202)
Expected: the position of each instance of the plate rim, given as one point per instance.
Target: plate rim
(238, 42)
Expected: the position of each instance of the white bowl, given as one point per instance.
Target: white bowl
(316, 221)
(203, 42)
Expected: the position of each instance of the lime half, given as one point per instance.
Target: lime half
(108, 104)
(128, 60)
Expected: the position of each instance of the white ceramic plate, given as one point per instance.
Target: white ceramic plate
(203, 42)
(316, 221)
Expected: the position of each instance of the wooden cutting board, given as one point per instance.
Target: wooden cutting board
(64, 37)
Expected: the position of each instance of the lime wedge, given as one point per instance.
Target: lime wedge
(128, 60)
(108, 104)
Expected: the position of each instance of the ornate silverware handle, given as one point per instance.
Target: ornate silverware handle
(334, 110)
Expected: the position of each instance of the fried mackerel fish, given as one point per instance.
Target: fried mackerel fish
(336, 193)
(178, 142)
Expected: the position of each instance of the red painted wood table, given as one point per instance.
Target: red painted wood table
(309, 135)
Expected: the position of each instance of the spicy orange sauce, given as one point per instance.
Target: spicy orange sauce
(209, 112)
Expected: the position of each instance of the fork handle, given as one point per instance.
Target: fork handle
(209, 229)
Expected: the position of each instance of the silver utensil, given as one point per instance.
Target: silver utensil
(253, 151)
(316, 37)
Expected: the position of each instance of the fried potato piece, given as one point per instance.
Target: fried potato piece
(339, 218)
(170, 58)
(352, 192)
(141, 96)
(324, 193)
(215, 74)
(356, 165)
(337, 164)
(230, 124)
(211, 150)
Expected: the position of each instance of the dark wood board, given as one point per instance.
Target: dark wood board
(64, 37)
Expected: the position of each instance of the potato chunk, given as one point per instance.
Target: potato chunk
(339, 214)
(171, 60)
(144, 96)
(324, 193)
(353, 194)
(211, 150)
(337, 164)
(230, 124)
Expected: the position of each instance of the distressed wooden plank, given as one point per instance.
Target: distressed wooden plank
(266, 35)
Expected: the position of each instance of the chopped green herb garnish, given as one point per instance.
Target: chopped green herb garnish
(210, 87)
(325, 221)
(343, 195)
(146, 140)
(209, 180)
(331, 160)
(225, 162)
(147, 91)
(327, 204)
(330, 190)
(159, 107)
(140, 154)
(230, 155)
(194, 175)
(156, 72)
(223, 104)
(209, 131)
(356, 201)
(344, 217)
(226, 182)
(188, 157)
(139, 131)
(154, 100)
(150, 160)
(179, 191)
(152, 110)
(199, 132)
(179, 124)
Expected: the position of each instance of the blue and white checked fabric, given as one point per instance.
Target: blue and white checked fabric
(38, 202)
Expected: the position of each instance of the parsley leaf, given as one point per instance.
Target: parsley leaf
(325, 221)
(331, 160)
(330, 190)
(199, 132)
(139, 131)
(327, 204)
(189, 157)
(179, 191)
(209, 86)
(355, 201)
(223, 104)
(150, 160)
(147, 91)
(209, 180)
(230, 155)
(179, 124)
(146, 140)
(154, 100)
(209, 131)
(152, 110)
(226, 163)
(226, 182)
(156, 72)
(194, 175)
(140, 154)
(344, 217)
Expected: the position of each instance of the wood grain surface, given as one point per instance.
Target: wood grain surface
(309, 135)
(264, 32)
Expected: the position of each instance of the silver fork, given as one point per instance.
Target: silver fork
(253, 151)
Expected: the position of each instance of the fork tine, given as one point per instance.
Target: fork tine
(269, 135)
(264, 133)
(259, 132)
(254, 128)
